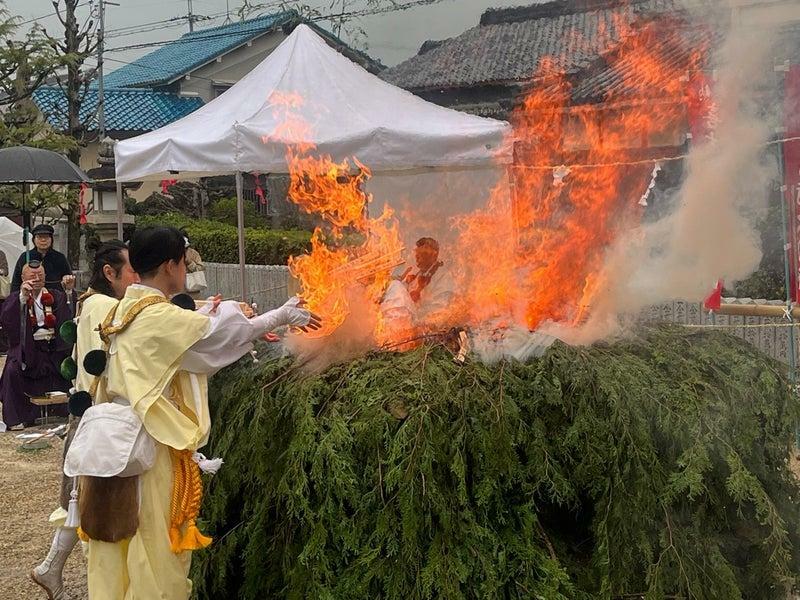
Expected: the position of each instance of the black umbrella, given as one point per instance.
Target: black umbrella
(26, 165)
(23, 165)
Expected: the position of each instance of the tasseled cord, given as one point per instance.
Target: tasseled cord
(73, 514)
(187, 493)
(207, 465)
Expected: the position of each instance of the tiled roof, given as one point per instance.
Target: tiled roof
(193, 50)
(674, 46)
(125, 109)
(510, 44)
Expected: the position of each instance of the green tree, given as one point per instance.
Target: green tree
(26, 62)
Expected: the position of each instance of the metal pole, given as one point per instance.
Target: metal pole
(120, 210)
(101, 98)
(240, 229)
(191, 17)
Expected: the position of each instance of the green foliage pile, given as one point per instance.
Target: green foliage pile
(219, 242)
(653, 466)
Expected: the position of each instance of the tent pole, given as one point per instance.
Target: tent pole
(240, 228)
(120, 210)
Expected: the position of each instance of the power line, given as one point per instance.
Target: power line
(52, 14)
(351, 14)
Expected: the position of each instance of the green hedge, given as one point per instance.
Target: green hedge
(654, 467)
(218, 242)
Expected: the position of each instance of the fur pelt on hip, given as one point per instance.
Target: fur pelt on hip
(109, 507)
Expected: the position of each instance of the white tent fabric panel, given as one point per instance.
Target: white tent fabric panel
(10, 241)
(349, 113)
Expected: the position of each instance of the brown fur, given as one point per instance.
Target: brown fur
(109, 507)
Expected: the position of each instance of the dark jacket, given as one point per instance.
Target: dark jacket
(55, 266)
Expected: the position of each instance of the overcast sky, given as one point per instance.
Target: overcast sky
(391, 37)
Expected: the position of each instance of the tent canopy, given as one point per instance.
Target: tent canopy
(10, 241)
(345, 111)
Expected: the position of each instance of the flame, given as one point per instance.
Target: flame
(540, 247)
(349, 248)
(535, 253)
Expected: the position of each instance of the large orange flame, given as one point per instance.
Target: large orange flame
(349, 248)
(535, 252)
(540, 247)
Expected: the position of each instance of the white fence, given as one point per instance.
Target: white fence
(770, 335)
(269, 286)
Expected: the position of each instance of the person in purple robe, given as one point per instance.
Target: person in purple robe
(33, 362)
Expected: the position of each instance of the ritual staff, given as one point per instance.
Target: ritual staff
(422, 289)
(159, 358)
(55, 264)
(111, 276)
(31, 319)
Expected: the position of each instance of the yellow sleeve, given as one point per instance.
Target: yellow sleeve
(171, 427)
(180, 418)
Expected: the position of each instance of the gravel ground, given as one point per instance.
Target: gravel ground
(29, 483)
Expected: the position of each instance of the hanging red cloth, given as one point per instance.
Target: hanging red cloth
(82, 204)
(262, 198)
(166, 184)
(714, 300)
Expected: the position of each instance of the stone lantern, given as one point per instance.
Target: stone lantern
(104, 193)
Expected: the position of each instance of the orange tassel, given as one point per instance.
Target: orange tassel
(82, 535)
(194, 540)
(187, 495)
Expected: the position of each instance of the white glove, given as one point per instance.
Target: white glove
(288, 314)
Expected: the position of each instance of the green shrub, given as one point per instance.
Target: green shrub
(225, 210)
(218, 242)
(653, 467)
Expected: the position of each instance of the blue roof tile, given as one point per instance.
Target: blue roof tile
(193, 50)
(125, 109)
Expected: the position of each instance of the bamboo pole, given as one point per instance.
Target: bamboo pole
(775, 311)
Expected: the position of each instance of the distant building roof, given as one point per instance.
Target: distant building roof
(193, 50)
(125, 109)
(509, 45)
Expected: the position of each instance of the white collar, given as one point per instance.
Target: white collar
(147, 288)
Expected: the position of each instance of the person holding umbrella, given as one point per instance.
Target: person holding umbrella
(54, 262)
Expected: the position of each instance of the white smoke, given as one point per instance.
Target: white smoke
(710, 233)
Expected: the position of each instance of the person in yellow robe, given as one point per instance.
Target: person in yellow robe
(111, 276)
(159, 357)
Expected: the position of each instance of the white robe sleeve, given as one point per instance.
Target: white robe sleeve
(231, 336)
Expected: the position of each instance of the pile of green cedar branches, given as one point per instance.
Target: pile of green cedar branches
(655, 467)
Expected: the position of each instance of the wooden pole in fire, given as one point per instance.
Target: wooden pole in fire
(240, 231)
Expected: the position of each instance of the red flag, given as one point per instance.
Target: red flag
(82, 204)
(714, 300)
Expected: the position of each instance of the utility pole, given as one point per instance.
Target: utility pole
(190, 17)
(101, 98)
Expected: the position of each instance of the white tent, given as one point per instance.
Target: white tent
(10, 242)
(349, 113)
